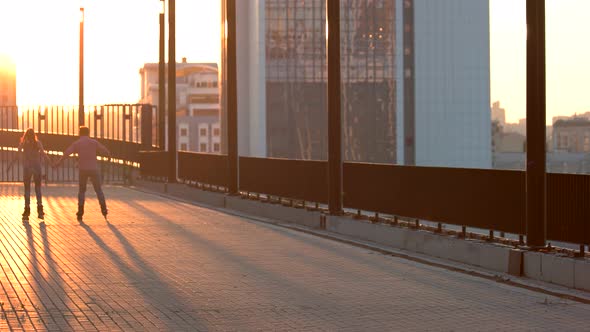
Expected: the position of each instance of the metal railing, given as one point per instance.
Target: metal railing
(118, 122)
(123, 129)
(484, 199)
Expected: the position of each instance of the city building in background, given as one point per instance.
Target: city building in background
(282, 75)
(197, 104)
(567, 144)
(516, 127)
(572, 135)
(506, 137)
(498, 114)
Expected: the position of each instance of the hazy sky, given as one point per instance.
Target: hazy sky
(568, 53)
(121, 35)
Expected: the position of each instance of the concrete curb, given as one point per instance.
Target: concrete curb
(488, 256)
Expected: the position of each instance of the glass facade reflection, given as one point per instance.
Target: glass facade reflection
(296, 76)
(415, 81)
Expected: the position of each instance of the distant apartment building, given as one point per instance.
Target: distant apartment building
(519, 127)
(498, 114)
(197, 104)
(572, 135)
(511, 142)
(415, 81)
(505, 138)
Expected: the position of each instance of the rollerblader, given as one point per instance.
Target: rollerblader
(32, 152)
(87, 149)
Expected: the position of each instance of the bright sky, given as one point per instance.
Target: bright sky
(121, 35)
(567, 48)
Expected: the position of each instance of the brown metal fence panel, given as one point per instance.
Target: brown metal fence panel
(203, 168)
(490, 199)
(568, 208)
(296, 179)
(153, 164)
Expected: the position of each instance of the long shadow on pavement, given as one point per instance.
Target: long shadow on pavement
(157, 289)
(226, 256)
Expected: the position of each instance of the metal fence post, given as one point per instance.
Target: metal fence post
(146, 127)
(409, 110)
(334, 110)
(232, 98)
(162, 82)
(536, 225)
(172, 90)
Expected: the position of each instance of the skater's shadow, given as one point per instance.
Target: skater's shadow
(46, 275)
(155, 291)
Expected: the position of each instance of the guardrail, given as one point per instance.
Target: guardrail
(134, 123)
(203, 168)
(123, 129)
(154, 165)
(305, 180)
(478, 198)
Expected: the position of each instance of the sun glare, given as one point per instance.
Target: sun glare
(42, 39)
(7, 65)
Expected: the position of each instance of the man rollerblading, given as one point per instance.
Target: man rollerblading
(87, 149)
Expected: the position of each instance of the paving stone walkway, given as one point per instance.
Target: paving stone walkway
(163, 265)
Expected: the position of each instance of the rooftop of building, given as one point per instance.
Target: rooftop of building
(573, 122)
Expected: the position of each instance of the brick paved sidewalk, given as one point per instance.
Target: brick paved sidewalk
(161, 264)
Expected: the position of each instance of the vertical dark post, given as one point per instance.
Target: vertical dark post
(146, 127)
(95, 122)
(232, 98)
(409, 84)
(81, 71)
(172, 91)
(162, 81)
(536, 230)
(124, 119)
(334, 111)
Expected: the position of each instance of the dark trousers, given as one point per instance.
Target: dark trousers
(96, 183)
(35, 173)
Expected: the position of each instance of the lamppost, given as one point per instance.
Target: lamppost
(81, 70)
(162, 80)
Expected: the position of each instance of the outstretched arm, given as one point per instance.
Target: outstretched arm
(71, 149)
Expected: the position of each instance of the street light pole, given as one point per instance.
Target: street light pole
(162, 80)
(81, 70)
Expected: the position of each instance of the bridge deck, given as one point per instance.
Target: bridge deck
(162, 264)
